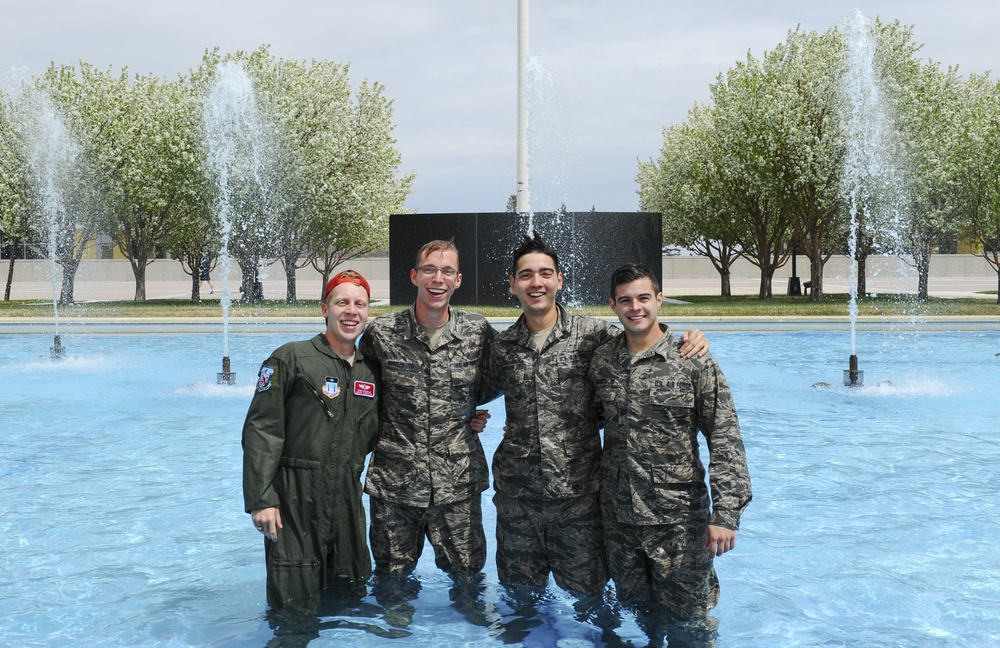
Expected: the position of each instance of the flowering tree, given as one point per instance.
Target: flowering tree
(332, 176)
(682, 185)
(976, 156)
(17, 196)
(137, 134)
(66, 200)
(929, 119)
(361, 184)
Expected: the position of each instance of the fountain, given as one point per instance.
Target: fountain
(865, 167)
(51, 154)
(591, 244)
(232, 129)
(863, 131)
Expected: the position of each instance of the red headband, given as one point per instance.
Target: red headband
(347, 276)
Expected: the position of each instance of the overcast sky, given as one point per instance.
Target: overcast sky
(615, 72)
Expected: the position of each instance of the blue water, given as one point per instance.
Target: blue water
(874, 520)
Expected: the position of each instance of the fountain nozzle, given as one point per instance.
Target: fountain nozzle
(226, 377)
(854, 377)
(57, 348)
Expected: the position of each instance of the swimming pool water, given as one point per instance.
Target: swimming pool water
(874, 518)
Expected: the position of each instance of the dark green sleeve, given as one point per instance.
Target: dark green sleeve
(264, 435)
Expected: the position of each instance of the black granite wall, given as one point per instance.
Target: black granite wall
(590, 246)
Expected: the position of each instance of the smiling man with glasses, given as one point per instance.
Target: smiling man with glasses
(429, 468)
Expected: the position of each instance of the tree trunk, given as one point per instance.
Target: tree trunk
(325, 278)
(862, 283)
(290, 295)
(765, 285)
(10, 269)
(140, 280)
(726, 278)
(253, 292)
(815, 281)
(68, 281)
(196, 286)
(923, 270)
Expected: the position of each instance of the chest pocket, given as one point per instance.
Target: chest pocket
(669, 393)
(609, 390)
(572, 366)
(463, 373)
(513, 373)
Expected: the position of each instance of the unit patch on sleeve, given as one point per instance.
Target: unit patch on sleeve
(264, 378)
(365, 389)
(331, 389)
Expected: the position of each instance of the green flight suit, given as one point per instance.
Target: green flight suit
(312, 421)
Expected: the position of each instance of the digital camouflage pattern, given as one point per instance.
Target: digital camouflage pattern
(664, 563)
(655, 406)
(426, 453)
(565, 538)
(551, 449)
(455, 531)
(303, 451)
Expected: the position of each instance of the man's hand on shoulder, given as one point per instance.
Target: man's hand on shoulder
(694, 343)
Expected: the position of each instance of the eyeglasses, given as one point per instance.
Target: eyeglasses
(430, 271)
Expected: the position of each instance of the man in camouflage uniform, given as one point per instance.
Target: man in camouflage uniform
(310, 425)
(661, 531)
(546, 469)
(429, 468)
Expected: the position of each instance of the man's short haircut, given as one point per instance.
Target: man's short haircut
(630, 272)
(533, 244)
(436, 246)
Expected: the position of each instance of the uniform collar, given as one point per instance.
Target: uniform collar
(413, 329)
(323, 345)
(560, 328)
(664, 347)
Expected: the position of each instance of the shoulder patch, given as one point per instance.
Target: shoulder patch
(264, 378)
(331, 388)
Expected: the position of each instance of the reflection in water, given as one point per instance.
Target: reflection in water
(342, 606)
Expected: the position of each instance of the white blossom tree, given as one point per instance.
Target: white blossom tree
(681, 184)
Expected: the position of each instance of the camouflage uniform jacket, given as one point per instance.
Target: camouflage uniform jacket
(552, 447)
(310, 425)
(426, 453)
(655, 407)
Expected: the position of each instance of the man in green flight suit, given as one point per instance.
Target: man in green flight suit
(312, 421)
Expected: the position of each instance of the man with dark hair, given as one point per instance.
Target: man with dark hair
(311, 423)
(429, 468)
(546, 469)
(661, 530)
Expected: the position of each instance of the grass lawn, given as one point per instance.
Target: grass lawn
(834, 305)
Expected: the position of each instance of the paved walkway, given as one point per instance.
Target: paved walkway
(84, 291)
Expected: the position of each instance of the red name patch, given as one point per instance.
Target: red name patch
(365, 389)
